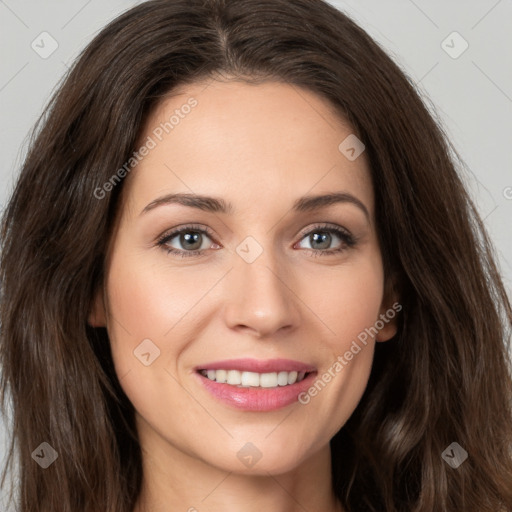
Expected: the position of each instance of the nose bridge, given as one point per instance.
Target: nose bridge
(260, 290)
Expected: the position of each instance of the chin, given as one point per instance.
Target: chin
(261, 458)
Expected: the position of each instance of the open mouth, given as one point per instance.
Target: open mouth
(244, 379)
(256, 385)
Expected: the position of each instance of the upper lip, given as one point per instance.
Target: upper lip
(258, 365)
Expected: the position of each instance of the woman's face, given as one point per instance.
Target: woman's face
(276, 285)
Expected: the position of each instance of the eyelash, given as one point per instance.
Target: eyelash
(347, 239)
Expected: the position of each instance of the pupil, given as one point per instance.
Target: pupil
(325, 237)
(188, 238)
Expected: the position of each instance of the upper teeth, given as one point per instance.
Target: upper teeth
(246, 379)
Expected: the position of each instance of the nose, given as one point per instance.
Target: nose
(260, 297)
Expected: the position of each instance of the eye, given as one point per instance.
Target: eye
(194, 240)
(191, 239)
(321, 237)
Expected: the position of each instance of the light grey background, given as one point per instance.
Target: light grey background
(472, 93)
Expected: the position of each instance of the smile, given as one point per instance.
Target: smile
(253, 379)
(256, 385)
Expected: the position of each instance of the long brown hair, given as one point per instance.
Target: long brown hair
(444, 378)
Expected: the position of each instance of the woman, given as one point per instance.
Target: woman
(253, 368)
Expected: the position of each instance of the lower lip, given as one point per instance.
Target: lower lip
(257, 399)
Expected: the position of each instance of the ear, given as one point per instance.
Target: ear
(97, 315)
(390, 308)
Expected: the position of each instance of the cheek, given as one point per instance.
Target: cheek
(153, 308)
(348, 301)
(141, 312)
(349, 305)
(146, 347)
(148, 298)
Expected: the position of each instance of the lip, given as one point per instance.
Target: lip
(252, 398)
(258, 365)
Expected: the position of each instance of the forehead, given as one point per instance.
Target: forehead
(254, 145)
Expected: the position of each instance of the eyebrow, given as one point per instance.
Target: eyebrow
(219, 205)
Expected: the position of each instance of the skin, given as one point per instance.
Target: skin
(260, 147)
